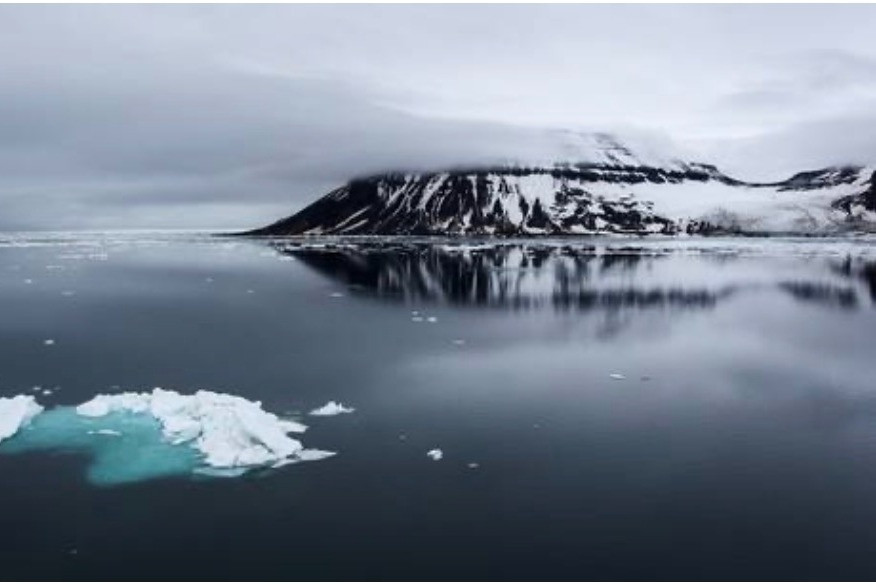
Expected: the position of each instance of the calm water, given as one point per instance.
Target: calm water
(740, 443)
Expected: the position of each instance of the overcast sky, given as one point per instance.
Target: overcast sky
(232, 116)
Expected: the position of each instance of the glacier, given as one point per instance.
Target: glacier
(131, 437)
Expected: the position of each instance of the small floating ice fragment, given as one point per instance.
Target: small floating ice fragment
(458, 342)
(435, 454)
(617, 376)
(336, 295)
(49, 342)
(417, 318)
(432, 319)
(332, 408)
(473, 465)
(28, 281)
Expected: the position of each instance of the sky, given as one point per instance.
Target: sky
(196, 116)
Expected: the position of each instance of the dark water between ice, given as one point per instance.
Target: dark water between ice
(740, 443)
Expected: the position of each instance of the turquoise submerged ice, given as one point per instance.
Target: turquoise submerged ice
(122, 447)
(138, 436)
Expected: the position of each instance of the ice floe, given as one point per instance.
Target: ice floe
(435, 454)
(617, 376)
(332, 408)
(229, 431)
(158, 433)
(16, 412)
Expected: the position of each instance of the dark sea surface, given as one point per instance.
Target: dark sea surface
(607, 408)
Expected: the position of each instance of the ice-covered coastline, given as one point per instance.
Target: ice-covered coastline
(209, 433)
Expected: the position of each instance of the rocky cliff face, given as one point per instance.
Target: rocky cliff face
(614, 191)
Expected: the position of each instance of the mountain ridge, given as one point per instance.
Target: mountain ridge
(611, 190)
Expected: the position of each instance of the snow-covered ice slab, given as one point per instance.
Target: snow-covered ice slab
(138, 436)
(16, 412)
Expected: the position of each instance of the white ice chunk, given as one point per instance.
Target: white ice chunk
(332, 408)
(16, 412)
(435, 454)
(311, 454)
(617, 376)
(49, 342)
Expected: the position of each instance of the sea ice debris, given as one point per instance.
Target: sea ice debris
(435, 454)
(332, 408)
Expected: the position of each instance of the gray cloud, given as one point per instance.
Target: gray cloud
(230, 116)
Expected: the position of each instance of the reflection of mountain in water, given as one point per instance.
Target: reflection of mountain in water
(526, 276)
(859, 270)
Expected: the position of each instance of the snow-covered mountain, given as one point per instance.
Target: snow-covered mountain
(600, 186)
